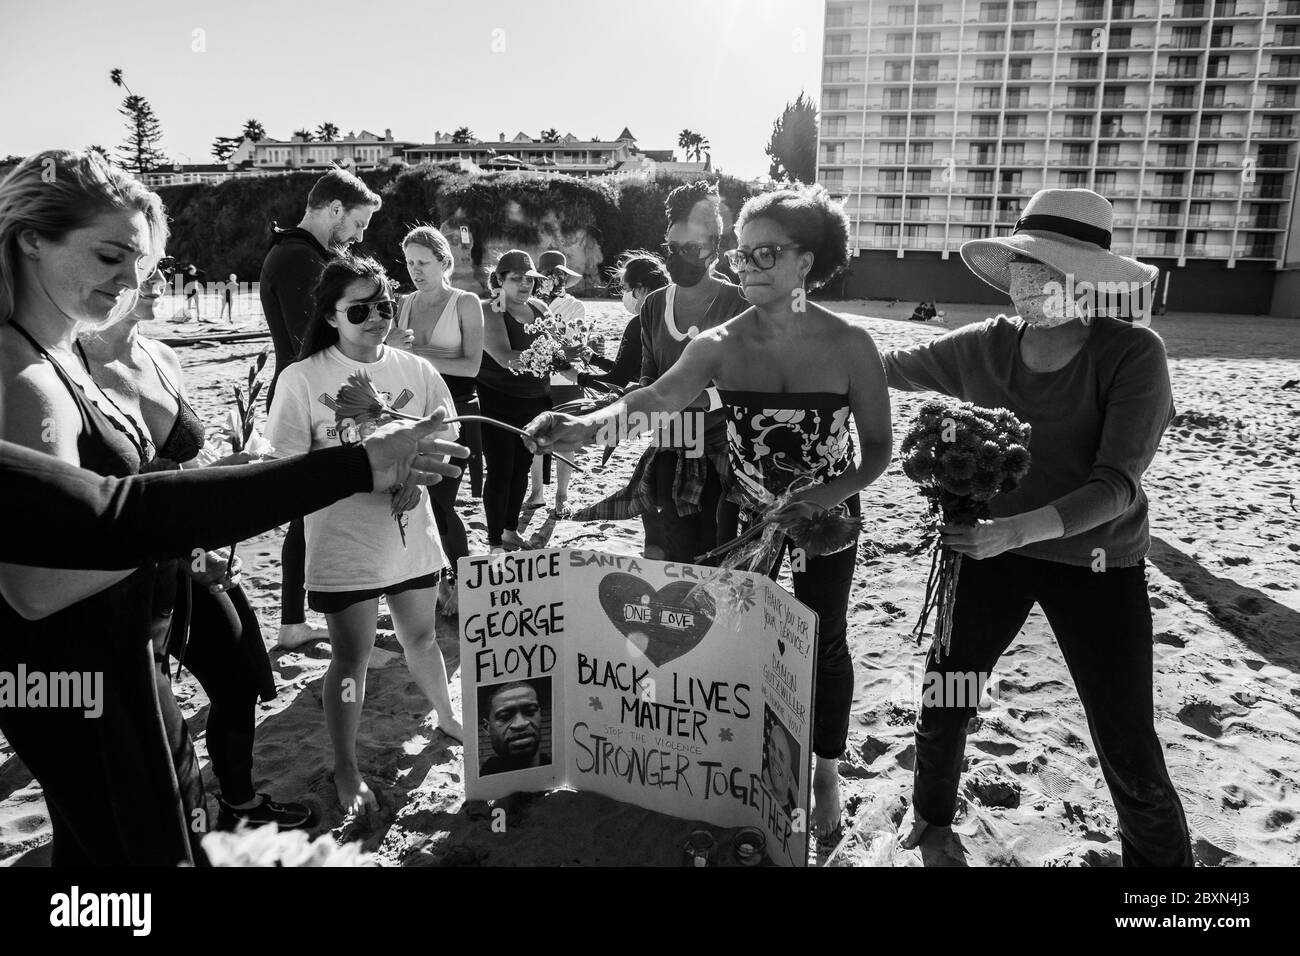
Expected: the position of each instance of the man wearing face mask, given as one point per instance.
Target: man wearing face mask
(1073, 537)
(686, 482)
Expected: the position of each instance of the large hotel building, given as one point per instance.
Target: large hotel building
(940, 119)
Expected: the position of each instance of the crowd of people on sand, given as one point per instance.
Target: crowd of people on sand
(102, 456)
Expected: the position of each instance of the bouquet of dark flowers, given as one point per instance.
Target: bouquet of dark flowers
(961, 455)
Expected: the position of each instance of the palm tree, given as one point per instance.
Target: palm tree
(692, 143)
(701, 144)
(327, 132)
(551, 135)
(254, 130)
(463, 135)
(306, 134)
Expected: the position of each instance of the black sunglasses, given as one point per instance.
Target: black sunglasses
(690, 250)
(361, 311)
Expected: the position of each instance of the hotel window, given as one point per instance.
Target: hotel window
(1121, 10)
(1186, 67)
(835, 125)
(1186, 38)
(1217, 66)
(985, 126)
(889, 208)
(1285, 66)
(837, 18)
(919, 180)
(1170, 184)
(927, 43)
(1280, 96)
(1211, 126)
(1108, 155)
(980, 182)
(1017, 97)
(922, 153)
(988, 98)
(983, 154)
(1009, 209)
(895, 125)
(1112, 126)
(896, 99)
(1278, 126)
(1167, 213)
(837, 44)
(1015, 125)
(836, 73)
(1090, 10)
(1076, 154)
(1183, 97)
(896, 70)
(1119, 38)
(1203, 184)
(1013, 154)
(926, 70)
(892, 179)
(974, 232)
(1207, 154)
(1073, 180)
(1022, 39)
(1117, 67)
(1081, 97)
(1083, 68)
(1176, 126)
(1081, 38)
(892, 152)
(886, 230)
(918, 208)
(1019, 68)
(1112, 97)
(922, 125)
(1196, 242)
(1214, 95)
(1105, 183)
(1221, 36)
(993, 12)
(1287, 36)
(923, 98)
(990, 40)
(836, 99)
(916, 232)
(901, 14)
(1172, 156)
(1198, 214)
(928, 13)
(1078, 126)
(979, 209)
(1225, 8)
(1024, 10)
(899, 43)
(989, 69)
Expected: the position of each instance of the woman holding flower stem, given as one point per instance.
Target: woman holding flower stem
(790, 374)
(356, 551)
(1073, 536)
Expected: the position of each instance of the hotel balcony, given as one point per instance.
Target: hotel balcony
(1284, 9)
(1274, 132)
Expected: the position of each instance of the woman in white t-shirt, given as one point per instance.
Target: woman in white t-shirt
(356, 549)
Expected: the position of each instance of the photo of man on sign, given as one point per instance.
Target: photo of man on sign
(516, 719)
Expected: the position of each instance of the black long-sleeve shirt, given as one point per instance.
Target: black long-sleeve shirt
(626, 366)
(62, 516)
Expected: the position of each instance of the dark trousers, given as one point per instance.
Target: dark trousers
(682, 537)
(216, 654)
(1102, 622)
(508, 461)
(455, 543)
(293, 574)
(824, 585)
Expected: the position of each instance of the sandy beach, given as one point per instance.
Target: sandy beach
(1224, 573)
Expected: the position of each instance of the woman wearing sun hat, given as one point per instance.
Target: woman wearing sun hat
(1073, 537)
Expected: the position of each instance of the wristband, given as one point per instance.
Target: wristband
(715, 399)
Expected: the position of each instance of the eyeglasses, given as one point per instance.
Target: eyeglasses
(363, 310)
(763, 257)
(689, 250)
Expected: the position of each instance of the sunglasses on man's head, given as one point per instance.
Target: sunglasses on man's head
(361, 311)
(689, 250)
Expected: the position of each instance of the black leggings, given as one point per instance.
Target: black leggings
(824, 585)
(508, 461)
(455, 543)
(293, 574)
(219, 653)
(1102, 622)
(684, 537)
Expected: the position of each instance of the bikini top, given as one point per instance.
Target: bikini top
(104, 445)
(775, 437)
(185, 439)
(441, 340)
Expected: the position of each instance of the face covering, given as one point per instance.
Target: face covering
(686, 272)
(1039, 295)
(630, 303)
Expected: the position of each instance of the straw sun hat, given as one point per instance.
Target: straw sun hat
(1068, 229)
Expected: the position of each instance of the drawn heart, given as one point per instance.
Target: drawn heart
(780, 646)
(661, 624)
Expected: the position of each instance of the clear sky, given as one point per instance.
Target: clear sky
(724, 68)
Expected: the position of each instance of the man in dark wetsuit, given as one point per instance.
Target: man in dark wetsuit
(339, 208)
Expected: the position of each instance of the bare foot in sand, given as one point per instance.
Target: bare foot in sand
(452, 728)
(355, 795)
(510, 540)
(826, 797)
(911, 830)
(293, 636)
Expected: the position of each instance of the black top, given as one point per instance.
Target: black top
(126, 522)
(290, 271)
(491, 373)
(185, 439)
(626, 365)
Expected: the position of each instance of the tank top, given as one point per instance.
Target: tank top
(775, 437)
(492, 375)
(443, 340)
(185, 439)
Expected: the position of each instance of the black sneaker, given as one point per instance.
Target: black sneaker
(287, 816)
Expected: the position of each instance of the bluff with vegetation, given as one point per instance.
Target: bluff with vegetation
(225, 228)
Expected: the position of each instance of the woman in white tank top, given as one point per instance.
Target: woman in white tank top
(446, 328)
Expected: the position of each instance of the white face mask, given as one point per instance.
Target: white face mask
(1038, 292)
(630, 303)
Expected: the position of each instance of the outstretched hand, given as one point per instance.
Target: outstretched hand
(405, 451)
(558, 432)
